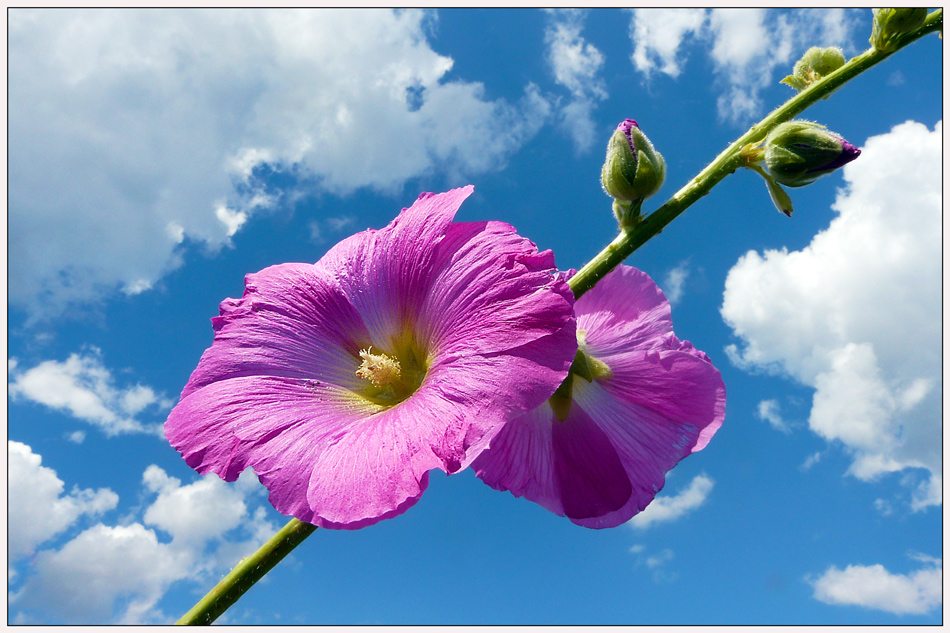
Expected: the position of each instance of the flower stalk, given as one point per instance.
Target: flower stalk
(247, 572)
(632, 238)
(253, 568)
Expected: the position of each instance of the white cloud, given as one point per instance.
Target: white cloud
(674, 282)
(658, 34)
(747, 46)
(576, 64)
(37, 508)
(83, 387)
(770, 411)
(667, 508)
(874, 587)
(857, 315)
(811, 460)
(131, 131)
(183, 511)
(83, 581)
(76, 437)
(119, 574)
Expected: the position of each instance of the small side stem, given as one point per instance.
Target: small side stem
(632, 238)
(247, 572)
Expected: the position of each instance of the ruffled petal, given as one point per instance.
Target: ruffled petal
(293, 321)
(386, 274)
(493, 386)
(492, 291)
(588, 470)
(679, 385)
(625, 311)
(663, 400)
(325, 457)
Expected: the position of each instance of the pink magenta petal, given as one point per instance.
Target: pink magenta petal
(292, 321)
(486, 316)
(662, 400)
(324, 457)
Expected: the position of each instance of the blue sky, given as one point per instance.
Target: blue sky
(155, 157)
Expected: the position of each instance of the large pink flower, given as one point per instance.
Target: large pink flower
(342, 383)
(637, 401)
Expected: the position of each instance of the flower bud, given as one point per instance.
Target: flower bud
(798, 152)
(889, 24)
(634, 170)
(814, 64)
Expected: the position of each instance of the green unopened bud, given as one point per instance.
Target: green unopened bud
(633, 170)
(889, 24)
(815, 63)
(798, 152)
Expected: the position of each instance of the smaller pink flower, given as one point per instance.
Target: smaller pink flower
(638, 400)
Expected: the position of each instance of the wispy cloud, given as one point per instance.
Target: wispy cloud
(874, 587)
(37, 508)
(576, 64)
(674, 281)
(770, 411)
(658, 35)
(670, 508)
(747, 46)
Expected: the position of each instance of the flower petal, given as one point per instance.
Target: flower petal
(662, 400)
(292, 321)
(627, 311)
(492, 291)
(588, 470)
(387, 273)
(326, 457)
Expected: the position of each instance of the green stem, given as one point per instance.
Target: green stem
(247, 572)
(630, 239)
(251, 569)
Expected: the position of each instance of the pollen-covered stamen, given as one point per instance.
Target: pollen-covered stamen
(379, 369)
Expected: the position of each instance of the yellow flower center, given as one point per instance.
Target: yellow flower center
(391, 377)
(379, 369)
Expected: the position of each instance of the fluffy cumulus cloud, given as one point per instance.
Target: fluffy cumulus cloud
(857, 315)
(874, 587)
(133, 131)
(670, 508)
(576, 64)
(83, 387)
(119, 573)
(37, 508)
(747, 46)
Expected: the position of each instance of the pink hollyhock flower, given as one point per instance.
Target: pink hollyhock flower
(637, 401)
(342, 383)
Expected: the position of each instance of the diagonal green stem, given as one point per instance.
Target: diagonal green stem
(247, 572)
(632, 238)
(253, 568)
